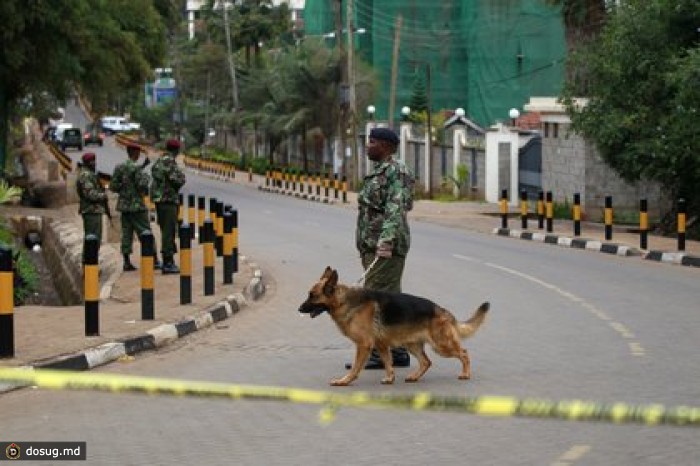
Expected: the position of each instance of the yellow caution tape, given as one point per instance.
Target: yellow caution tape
(574, 410)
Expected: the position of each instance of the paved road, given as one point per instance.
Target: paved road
(564, 324)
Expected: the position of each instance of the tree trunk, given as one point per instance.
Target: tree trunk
(4, 118)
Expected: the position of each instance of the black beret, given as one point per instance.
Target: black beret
(384, 134)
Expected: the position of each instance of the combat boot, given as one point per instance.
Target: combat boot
(170, 268)
(128, 266)
(399, 358)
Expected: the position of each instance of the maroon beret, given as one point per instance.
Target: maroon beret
(88, 157)
(132, 146)
(172, 144)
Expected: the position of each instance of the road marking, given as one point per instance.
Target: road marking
(635, 347)
(574, 454)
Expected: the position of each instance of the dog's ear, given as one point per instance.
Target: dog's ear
(327, 272)
(331, 283)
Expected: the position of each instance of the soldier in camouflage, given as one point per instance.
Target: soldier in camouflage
(93, 198)
(130, 182)
(168, 178)
(382, 235)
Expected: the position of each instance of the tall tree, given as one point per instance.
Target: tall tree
(644, 96)
(583, 21)
(50, 47)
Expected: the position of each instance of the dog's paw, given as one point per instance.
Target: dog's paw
(464, 376)
(387, 380)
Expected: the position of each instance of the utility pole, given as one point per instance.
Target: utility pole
(394, 69)
(429, 139)
(354, 162)
(231, 64)
(234, 81)
(343, 90)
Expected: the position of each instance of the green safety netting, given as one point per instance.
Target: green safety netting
(485, 56)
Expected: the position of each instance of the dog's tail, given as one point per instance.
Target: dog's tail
(468, 328)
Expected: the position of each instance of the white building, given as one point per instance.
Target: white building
(296, 6)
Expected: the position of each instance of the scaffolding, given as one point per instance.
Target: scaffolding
(485, 56)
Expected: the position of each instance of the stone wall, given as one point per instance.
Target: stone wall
(572, 165)
(62, 247)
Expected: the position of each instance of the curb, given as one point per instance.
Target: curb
(576, 243)
(156, 337)
(677, 258)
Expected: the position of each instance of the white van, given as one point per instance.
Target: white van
(60, 128)
(117, 124)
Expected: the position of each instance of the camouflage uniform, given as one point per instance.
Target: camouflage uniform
(384, 202)
(168, 178)
(130, 182)
(92, 202)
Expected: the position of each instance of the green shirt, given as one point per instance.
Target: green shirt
(130, 182)
(168, 178)
(92, 194)
(384, 202)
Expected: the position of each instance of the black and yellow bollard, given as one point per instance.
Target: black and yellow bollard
(212, 217)
(267, 178)
(185, 234)
(208, 251)
(250, 175)
(191, 219)
(540, 210)
(310, 185)
(180, 208)
(549, 207)
(219, 229)
(523, 209)
(336, 186)
(147, 288)
(504, 209)
(681, 224)
(318, 185)
(608, 217)
(326, 185)
(201, 216)
(7, 304)
(577, 214)
(344, 187)
(234, 254)
(228, 246)
(91, 286)
(643, 224)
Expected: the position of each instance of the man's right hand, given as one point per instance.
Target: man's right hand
(384, 250)
(146, 162)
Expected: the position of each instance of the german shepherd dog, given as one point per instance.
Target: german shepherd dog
(382, 320)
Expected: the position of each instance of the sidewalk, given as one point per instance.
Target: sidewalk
(55, 336)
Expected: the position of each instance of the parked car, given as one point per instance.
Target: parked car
(71, 137)
(93, 135)
(115, 124)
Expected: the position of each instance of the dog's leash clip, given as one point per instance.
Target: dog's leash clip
(362, 278)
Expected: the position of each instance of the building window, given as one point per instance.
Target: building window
(546, 130)
(556, 130)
